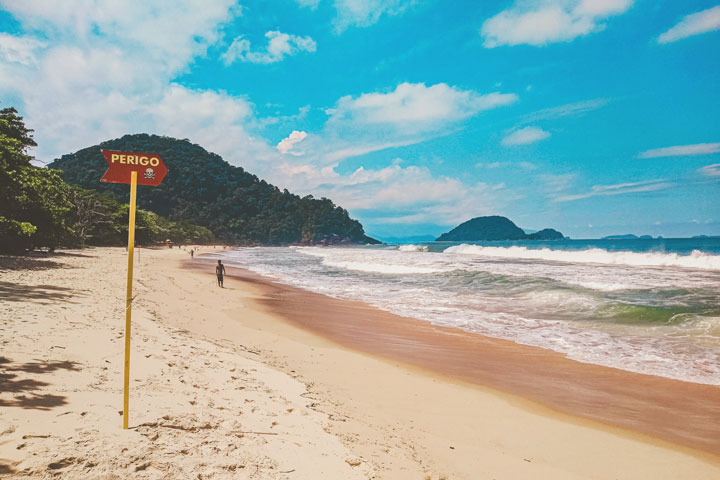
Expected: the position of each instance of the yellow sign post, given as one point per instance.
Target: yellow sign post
(129, 299)
(123, 167)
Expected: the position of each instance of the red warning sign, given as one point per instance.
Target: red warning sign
(150, 167)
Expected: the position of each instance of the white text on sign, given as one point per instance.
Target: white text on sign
(134, 160)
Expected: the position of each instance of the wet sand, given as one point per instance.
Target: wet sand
(687, 414)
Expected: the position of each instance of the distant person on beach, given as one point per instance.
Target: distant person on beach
(219, 271)
(192, 253)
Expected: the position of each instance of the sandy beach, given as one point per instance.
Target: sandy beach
(259, 380)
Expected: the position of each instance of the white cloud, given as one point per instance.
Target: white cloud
(407, 194)
(19, 49)
(275, 119)
(363, 13)
(169, 33)
(286, 144)
(711, 170)
(693, 24)
(279, 46)
(410, 114)
(106, 71)
(618, 189)
(217, 121)
(553, 184)
(682, 150)
(337, 155)
(540, 22)
(525, 136)
(567, 110)
(416, 106)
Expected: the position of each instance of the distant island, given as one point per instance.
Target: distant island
(495, 228)
(628, 236)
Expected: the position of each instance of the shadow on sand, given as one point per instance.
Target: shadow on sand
(13, 292)
(6, 469)
(10, 383)
(38, 260)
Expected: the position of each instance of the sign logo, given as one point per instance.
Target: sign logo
(150, 168)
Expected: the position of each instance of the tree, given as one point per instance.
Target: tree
(34, 202)
(12, 126)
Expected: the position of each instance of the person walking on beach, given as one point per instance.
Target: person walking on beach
(192, 253)
(219, 271)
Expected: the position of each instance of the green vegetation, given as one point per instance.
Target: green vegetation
(102, 220)
(34, 205)
(39, 210)
(494, 228)
(203, 189)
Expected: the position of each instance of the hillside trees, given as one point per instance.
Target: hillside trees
(203, 189)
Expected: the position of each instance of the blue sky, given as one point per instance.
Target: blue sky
(594, 117)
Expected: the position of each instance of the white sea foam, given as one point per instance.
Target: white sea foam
(381, 268)
(696, 260)
(413, 248)
(376, 261)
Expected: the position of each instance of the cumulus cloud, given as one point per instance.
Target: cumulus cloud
(682, 150)
(525, 136)
(16, 49)
(170, 33)
(106, 71)
(416, 106)
(540, 22)
(279, 46)
(618, 189)
(711, 170)
(286, 144)
(406, 195)
(693, 24)
(215, 120)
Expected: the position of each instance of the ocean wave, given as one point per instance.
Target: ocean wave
(413, 248)
(696, 260)
(381, 268)
(658, 321)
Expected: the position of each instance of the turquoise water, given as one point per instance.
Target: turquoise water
(648, 306)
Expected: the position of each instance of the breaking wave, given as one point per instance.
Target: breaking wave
(696, 260)
(413, 248)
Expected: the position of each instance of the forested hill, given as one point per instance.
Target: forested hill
(203, 189)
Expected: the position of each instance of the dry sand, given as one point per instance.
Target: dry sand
(224, 388)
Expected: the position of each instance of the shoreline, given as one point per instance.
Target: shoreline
(685, 414)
